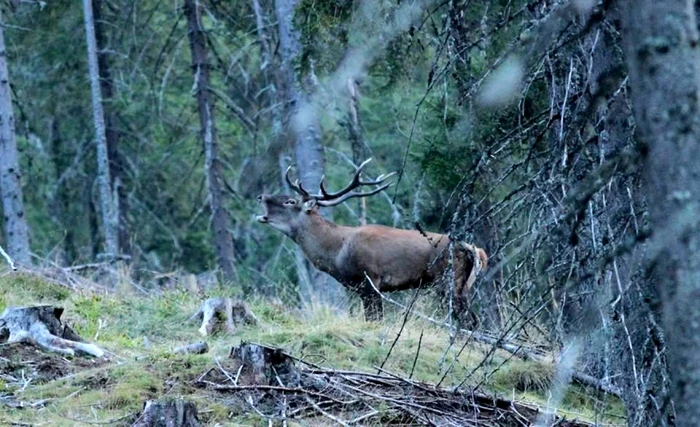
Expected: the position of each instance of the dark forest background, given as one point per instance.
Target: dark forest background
(511, 125)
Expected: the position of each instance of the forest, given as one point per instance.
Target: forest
(349, 212)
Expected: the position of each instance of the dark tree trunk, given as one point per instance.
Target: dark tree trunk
(116, 164)
(661, 44)
(221, 222)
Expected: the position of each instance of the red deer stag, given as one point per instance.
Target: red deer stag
(394, 259)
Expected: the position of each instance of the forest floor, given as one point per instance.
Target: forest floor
(139, 331)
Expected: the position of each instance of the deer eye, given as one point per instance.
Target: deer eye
(290, 202)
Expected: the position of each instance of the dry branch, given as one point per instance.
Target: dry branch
(259, 364)
(195, 348)
(348, 395)
(7, 258)
(518, 350)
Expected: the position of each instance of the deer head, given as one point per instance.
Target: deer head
(289, 214)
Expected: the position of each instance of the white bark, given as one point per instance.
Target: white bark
(16, 230)
(110, 213)
(308, 148)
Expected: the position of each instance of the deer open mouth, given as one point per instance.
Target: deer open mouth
(262, 218)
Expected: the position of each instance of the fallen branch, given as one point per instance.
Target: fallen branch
(8, 259)
(514, 349)
(196, 348)
(351, 397)
(41, 326)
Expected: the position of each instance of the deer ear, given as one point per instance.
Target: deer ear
(309, 205)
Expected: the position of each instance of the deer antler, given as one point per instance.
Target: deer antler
(333, 199)
(296, 186)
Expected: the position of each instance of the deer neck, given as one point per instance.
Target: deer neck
(320, 239)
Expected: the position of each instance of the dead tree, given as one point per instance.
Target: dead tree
(261, 365)
(231, 312)
(221, 222)
(41, 326)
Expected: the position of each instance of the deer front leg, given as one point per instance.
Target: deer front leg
(372, 301)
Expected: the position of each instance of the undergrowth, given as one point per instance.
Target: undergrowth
(139, 330)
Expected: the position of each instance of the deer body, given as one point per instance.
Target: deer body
(393, 259)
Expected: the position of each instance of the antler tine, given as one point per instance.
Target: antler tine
(381, 178)
(323, 188)
(296, 186)
(346, 196)
(354, 183)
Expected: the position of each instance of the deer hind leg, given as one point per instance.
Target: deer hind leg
(464, 278)
(372, 301)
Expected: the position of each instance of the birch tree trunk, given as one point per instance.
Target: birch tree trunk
(220, 221)
(308, 149)
(10, 184)
(109, 209)
(661, 44)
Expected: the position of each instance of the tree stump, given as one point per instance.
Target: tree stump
(168, 413)
(41, 326)
(231, 312)
(261, 365)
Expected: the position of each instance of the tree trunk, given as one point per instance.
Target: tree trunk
(661, 43)
(168, 413)
(116, 166)
(357, 143)
(110, 212)
(221, 222)
(308, 150)
(10, 183)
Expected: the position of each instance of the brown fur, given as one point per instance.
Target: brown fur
(394, 259)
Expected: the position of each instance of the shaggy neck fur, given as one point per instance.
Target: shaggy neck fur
(321, 240)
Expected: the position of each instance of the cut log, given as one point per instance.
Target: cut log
(261, 365)
(168, 413)
(196, 348)
(231, 312)
(41, 326)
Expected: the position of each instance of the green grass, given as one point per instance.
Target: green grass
(140, 330)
